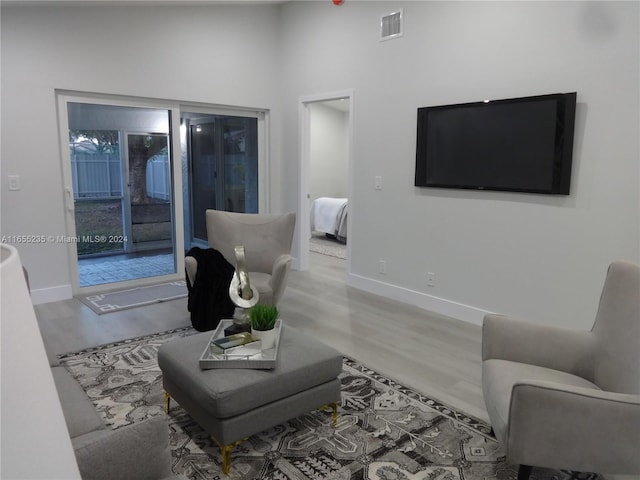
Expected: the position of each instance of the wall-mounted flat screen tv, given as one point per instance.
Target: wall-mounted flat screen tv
(517, 144)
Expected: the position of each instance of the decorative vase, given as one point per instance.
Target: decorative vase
(266, 337)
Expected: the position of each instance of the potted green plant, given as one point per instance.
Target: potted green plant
(263, 321)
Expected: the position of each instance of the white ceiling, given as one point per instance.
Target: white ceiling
(136, 2)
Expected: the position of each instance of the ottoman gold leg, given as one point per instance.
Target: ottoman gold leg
(225, 451)
(167, 402)
(226, 458)
(334, 407)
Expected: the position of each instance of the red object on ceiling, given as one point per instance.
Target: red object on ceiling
(338, 2)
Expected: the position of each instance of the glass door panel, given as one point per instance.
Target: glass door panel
(149, 191)
(122, 192)
(97, 185)
(223, 158)
(203, 175)
(240, 185)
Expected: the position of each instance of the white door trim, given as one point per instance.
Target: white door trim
(63, 98)
(303, 215)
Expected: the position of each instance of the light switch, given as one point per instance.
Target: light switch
(378, 183)
(14, 182)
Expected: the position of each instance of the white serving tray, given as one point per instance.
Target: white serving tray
(247, 356)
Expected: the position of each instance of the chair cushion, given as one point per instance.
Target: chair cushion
(498, 379)
(617, 328)
(261, 282)
(79, 413)
(138, 452)
(265, 237)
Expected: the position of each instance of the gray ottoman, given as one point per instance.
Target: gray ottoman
(233, 404)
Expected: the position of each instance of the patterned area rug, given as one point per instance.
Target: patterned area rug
(385, 431)
(135, 297)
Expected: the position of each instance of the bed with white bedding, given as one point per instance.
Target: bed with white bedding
(329, 216)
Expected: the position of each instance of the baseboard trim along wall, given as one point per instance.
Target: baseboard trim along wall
(51, 294)
(418, 299)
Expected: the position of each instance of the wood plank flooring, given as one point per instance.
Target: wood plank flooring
(435, 355)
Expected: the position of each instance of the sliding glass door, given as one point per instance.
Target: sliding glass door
(137, 187)
(121, 164)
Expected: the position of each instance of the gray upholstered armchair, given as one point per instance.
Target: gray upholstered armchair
(567, 399)
(267, 242)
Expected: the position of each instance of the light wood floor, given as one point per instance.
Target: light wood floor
(433, 354)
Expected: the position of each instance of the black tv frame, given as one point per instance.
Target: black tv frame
(559, 167)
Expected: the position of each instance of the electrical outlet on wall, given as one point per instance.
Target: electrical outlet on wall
(14, 182)
(383, 267)
(431, 279)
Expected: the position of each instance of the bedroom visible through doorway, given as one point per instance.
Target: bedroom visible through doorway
(328, 176)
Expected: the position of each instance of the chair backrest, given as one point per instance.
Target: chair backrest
(265, 237)
(617, 330)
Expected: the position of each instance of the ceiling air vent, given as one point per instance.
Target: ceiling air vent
(391, 25)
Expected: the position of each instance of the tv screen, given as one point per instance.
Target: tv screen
(518, 144)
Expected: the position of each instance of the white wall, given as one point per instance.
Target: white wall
(212, 54)
(328, 159)
(529, 255)
(540, 257)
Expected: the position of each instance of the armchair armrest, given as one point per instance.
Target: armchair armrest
(546, 418)
(139, 451)
(546, 346)
(278, 280)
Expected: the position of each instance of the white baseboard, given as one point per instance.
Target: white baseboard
(418, 299)
(51, 294)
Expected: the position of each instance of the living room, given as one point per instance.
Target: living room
(479, 244)
(533, 256)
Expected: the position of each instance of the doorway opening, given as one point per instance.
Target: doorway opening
(325, 179)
